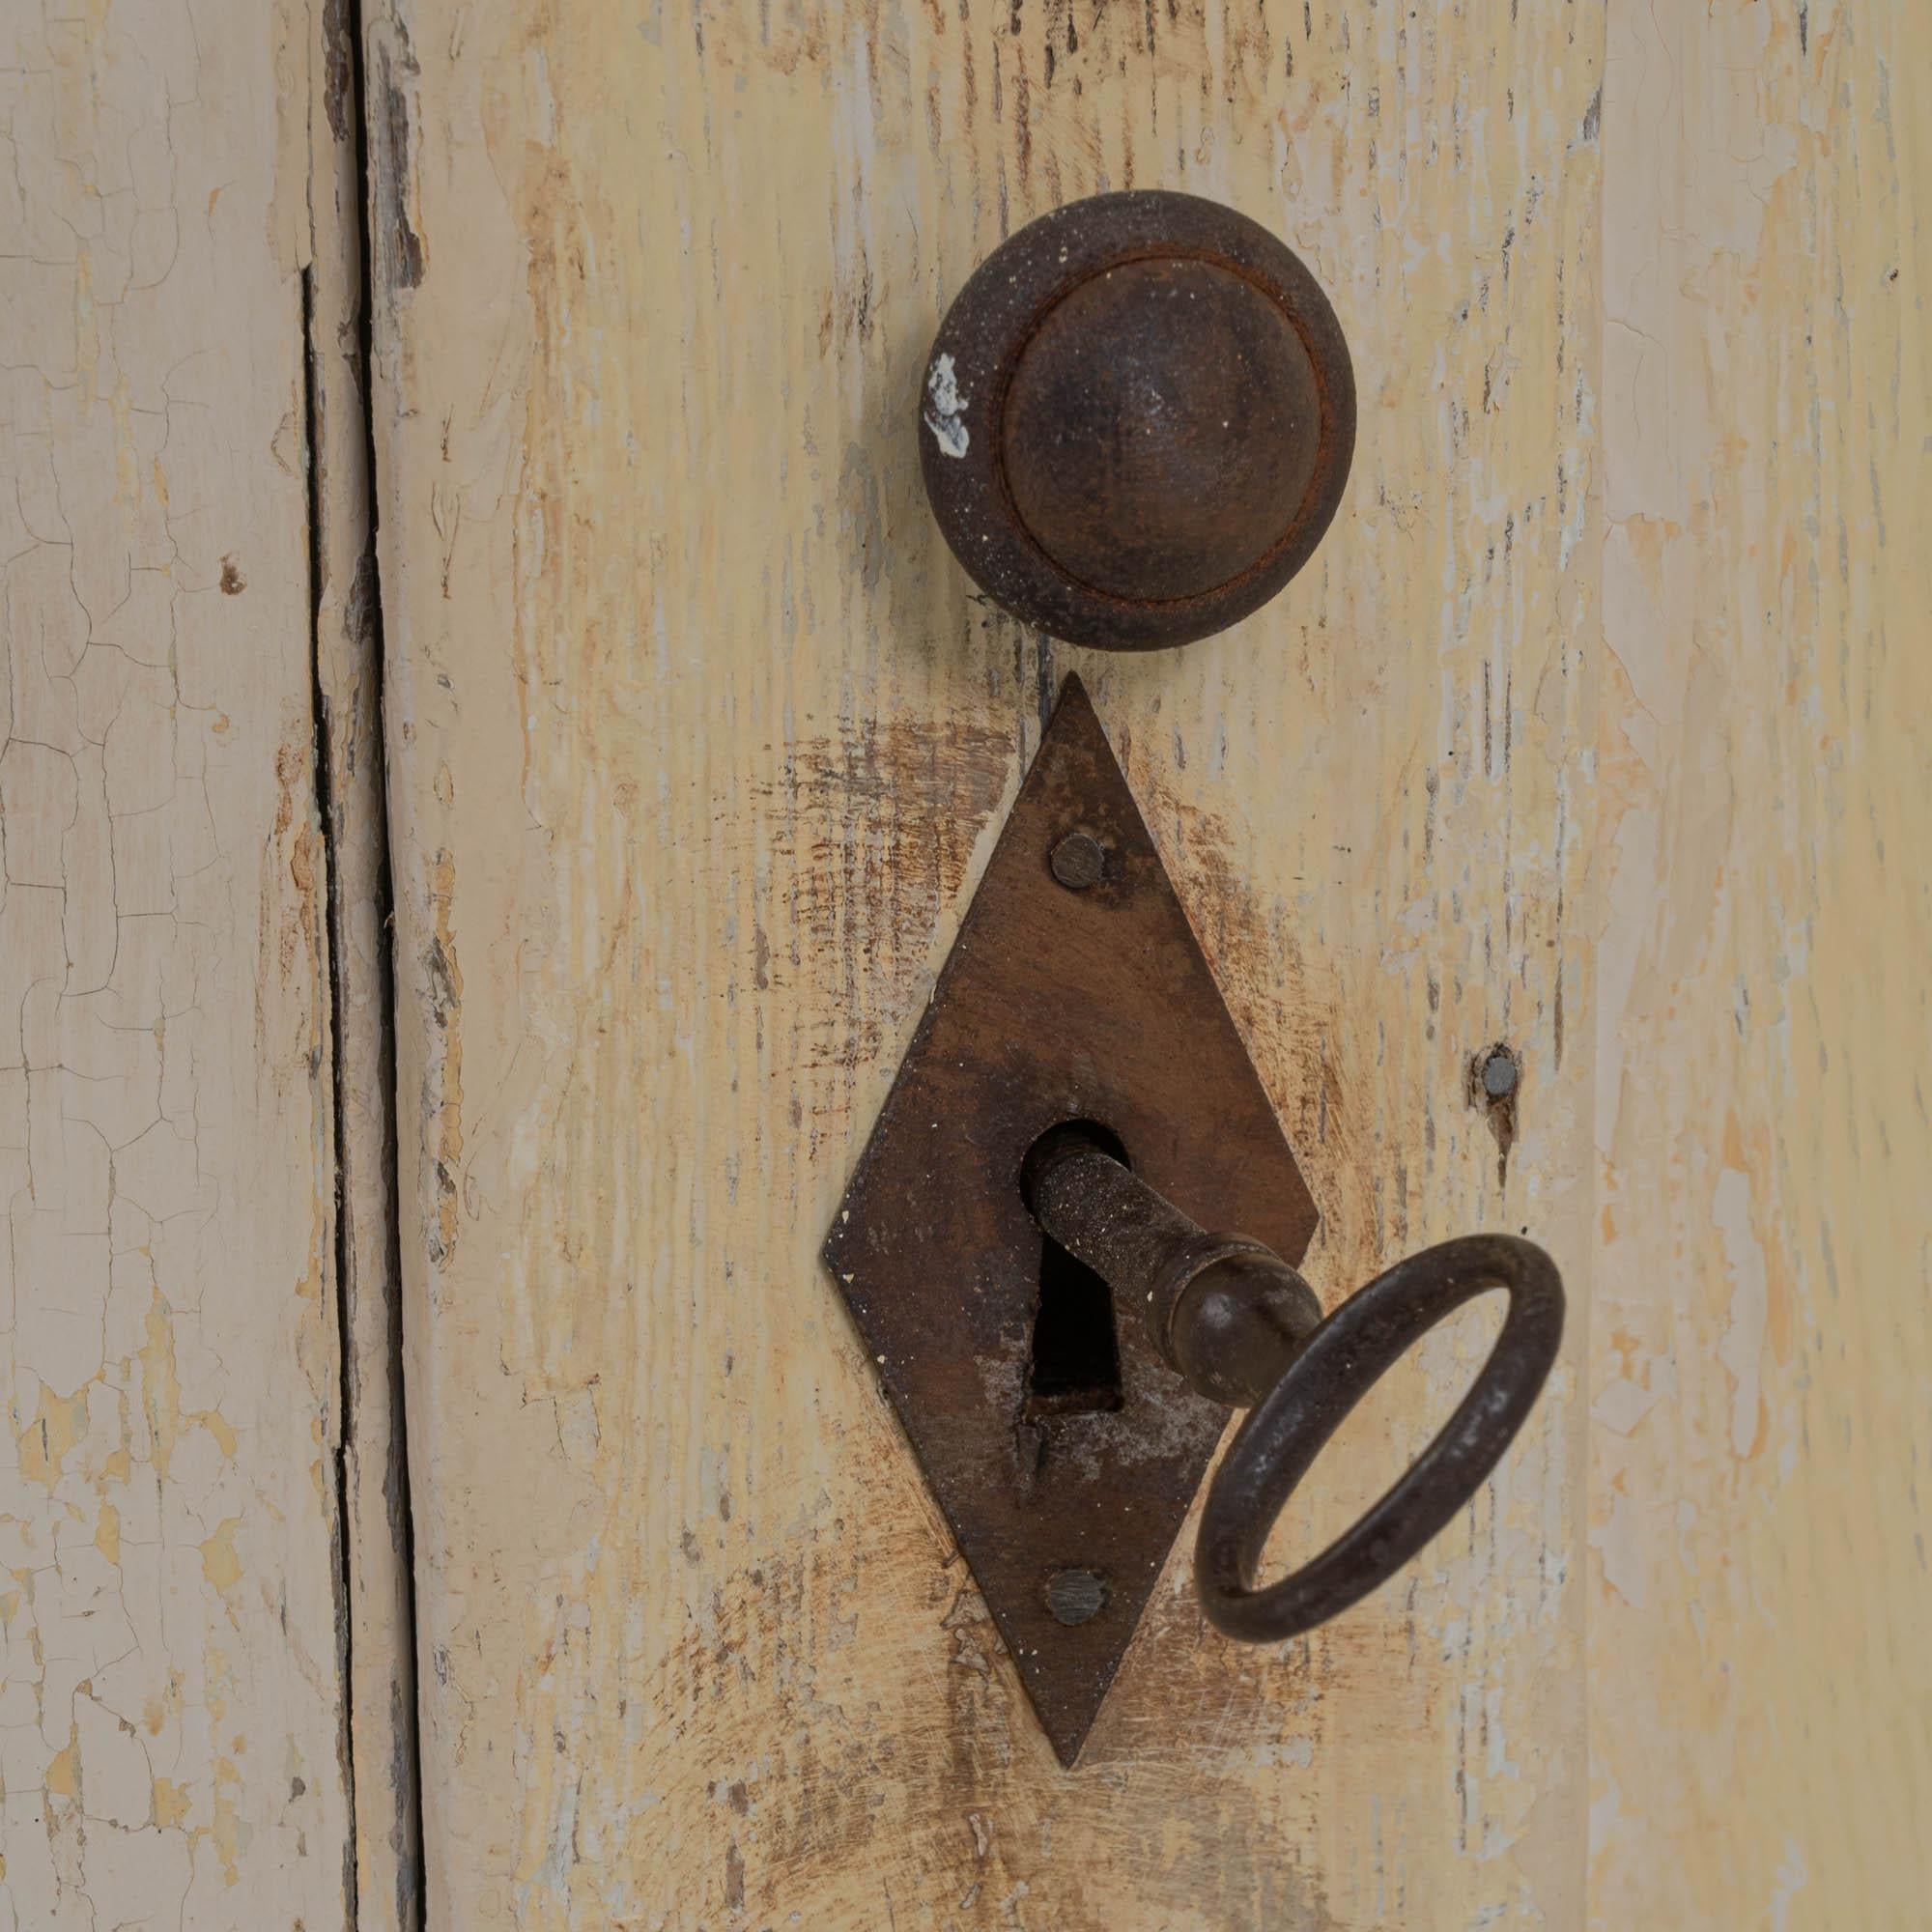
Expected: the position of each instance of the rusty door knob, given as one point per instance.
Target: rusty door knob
(1136, 421)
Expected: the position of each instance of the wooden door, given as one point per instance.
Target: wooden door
(1595, 730)
(699, 743)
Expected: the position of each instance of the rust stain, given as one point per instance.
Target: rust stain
(1494, 1085)
(301, 863)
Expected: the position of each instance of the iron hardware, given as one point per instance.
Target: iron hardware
(1135, 427)
(1245, 1330)
(1137, 419)
(1061, 1342)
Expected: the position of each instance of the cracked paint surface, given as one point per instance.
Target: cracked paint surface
(169, 1722)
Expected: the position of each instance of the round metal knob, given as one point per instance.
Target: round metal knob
(1137, 419)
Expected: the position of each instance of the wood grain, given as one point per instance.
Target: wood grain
(697, 744)
(1761, 1691)
(171, 1744)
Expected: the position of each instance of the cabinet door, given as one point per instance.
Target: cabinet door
(1578, 736)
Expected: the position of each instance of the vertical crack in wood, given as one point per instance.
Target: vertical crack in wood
(340, 1511)
(375, 1555)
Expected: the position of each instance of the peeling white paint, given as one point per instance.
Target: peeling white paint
(945, 417)
(1622, 1406)
(1621, 1551)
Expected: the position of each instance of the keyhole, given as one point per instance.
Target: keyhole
(1075, 1365)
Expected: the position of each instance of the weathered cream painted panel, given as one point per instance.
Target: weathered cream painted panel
(170, 1722)
(1761, 1368)
(698, 744)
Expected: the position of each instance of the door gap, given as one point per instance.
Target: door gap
(375, 1553)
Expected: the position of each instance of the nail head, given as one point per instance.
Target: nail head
(1075, 1596)
(1078, 860)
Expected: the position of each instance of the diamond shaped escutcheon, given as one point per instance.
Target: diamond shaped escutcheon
(1062, 1450)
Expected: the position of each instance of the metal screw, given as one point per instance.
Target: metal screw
(1078, 860)
(1075, 1596)
(1502, 1070)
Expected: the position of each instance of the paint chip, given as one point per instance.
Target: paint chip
(945, 418)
